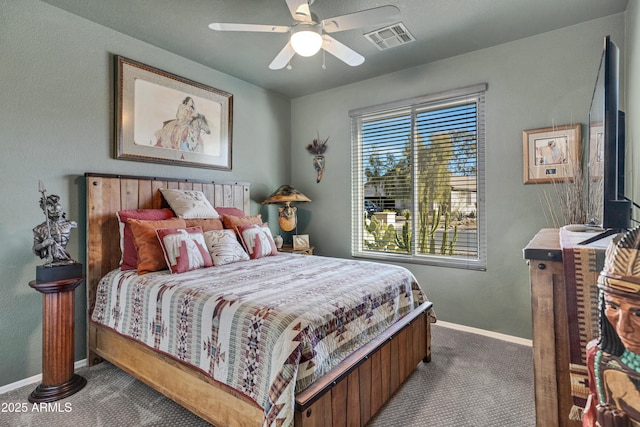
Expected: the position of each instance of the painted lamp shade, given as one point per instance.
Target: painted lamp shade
(285, 195)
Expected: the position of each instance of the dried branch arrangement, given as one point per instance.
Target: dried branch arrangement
(567, 202)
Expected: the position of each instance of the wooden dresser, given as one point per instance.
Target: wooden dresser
(557, 313)
(549, 329)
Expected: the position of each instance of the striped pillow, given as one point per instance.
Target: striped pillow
(224, 247)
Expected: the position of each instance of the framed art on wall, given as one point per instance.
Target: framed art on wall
(551, 154)
(164, 118)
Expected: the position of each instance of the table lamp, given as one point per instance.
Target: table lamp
(285, 195)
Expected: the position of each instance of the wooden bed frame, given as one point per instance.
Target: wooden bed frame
(348, 395)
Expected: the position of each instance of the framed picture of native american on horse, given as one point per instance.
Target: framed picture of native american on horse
(164, 118)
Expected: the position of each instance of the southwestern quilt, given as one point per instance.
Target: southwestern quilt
(267, 327)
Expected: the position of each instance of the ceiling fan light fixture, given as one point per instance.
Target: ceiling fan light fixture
(309, 34)
(306, 40)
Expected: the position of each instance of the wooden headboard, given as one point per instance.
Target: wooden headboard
(107, 194)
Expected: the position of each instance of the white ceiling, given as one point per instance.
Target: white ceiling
(442, 28)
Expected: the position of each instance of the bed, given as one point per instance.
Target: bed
(346, 393)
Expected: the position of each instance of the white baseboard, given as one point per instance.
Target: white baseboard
(504, 337)
(35, 379)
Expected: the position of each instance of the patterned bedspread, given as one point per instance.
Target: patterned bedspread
(267, 327)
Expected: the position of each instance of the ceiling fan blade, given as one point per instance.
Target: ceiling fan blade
(225, 26)
(282, 59)
(342, 52)
(364, 18)
(300, 10)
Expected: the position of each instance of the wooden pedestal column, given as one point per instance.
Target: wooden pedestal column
(58, 377)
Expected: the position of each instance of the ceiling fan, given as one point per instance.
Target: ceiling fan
(309, 35)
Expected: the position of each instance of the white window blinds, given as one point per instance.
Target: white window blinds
(418, 180)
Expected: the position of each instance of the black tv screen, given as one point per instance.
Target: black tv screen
(607, 205)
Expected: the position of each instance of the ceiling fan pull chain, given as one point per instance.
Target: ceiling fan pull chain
(324, 66)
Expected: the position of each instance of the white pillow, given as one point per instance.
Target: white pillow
(189, 204)
(224, 247)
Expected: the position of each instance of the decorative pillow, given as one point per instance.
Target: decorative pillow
(229, 211)
(257, 240)
(189, 203)
(233, 222)
(205, 224)
(184, 249)
(129, 258)
(150, 256)
(224, 247)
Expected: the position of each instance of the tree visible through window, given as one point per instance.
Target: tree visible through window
(418, 180)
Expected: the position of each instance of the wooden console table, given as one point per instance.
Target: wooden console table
(58, 377)
(550, 330)
(562, 308)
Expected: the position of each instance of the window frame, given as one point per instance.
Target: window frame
(475, 93)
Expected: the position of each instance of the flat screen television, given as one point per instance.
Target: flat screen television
(607, 205)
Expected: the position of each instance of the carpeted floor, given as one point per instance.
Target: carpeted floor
(471, 381)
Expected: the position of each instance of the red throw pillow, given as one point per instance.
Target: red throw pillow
(230, 211)
(129, 257)
(257, 240)
(184, 249)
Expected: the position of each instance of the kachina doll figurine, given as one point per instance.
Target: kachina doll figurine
(613, 359)
(317, 148)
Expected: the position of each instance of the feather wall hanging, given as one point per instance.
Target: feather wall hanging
(317, 148)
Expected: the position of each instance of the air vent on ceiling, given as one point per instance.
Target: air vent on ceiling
(391, 36)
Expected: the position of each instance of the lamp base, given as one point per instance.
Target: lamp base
(287, 217)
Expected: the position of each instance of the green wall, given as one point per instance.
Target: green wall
(56, 121)
(535, 82)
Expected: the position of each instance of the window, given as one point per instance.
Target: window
(418, 180)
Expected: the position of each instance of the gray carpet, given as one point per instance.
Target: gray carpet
(471, 381)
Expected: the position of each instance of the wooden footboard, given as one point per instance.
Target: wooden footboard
(187, 386)
(348, 395)
(357, 388)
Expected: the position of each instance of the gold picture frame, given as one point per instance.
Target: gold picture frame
(551, 154)
(300, 242)
(164, 118)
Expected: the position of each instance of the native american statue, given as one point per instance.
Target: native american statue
(613, 359)
(51, 237)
